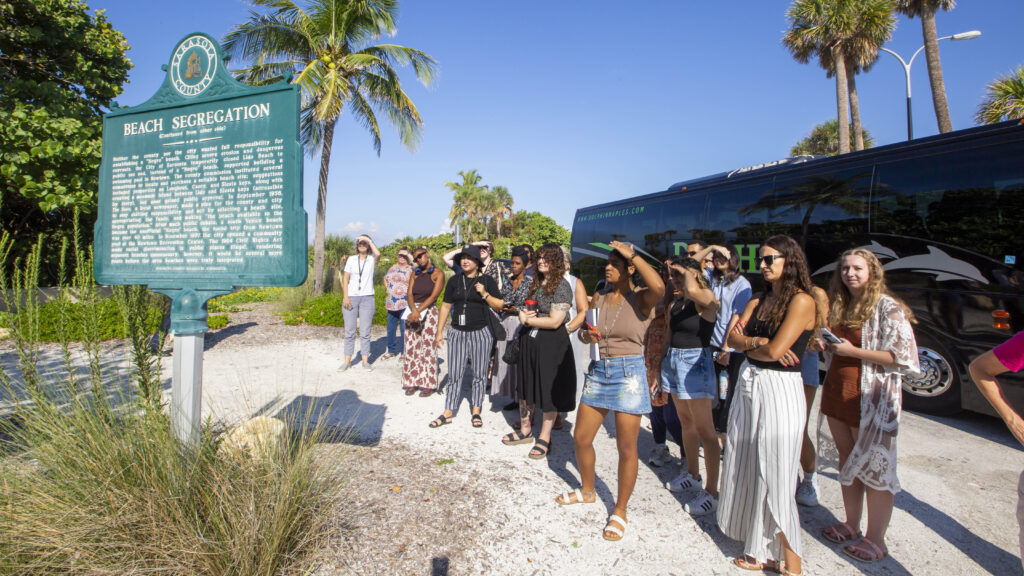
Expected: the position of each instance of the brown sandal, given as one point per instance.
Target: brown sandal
(840, 533)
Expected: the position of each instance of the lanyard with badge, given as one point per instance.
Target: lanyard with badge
(461, 319)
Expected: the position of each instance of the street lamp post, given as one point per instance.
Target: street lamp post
(970, 35)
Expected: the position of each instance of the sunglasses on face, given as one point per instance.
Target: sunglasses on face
(418, 256)
(692, 253)
(770, 259)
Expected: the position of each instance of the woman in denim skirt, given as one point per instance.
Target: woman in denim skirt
(618, 381)
(688, 375)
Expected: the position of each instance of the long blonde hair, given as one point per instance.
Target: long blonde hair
(851, 312)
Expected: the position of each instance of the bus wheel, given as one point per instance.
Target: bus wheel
(937, 390)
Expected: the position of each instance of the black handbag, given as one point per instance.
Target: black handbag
(511, 355)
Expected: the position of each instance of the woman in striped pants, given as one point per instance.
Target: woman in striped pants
(469, 298)
(767, 416)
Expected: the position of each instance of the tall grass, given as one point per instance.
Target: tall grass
(93, 481)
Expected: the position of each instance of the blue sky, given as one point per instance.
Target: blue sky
(574, 103)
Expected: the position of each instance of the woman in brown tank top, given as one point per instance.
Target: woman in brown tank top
(419, 362)
(618, 381)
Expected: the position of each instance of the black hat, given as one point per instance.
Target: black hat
(469, 252)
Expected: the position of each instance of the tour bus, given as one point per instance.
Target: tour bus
(943, 214)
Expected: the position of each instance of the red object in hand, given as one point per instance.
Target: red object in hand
(531, 305)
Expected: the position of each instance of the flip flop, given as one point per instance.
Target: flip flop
(840, 533)
(870, 553)
(754, 565)
(477, 420)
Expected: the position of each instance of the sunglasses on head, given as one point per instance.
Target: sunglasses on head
(770, 259)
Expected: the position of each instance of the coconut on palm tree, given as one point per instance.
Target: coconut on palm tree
(925, 10)
(327, 45)
(1004, 99)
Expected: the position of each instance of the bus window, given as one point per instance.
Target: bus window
(826, 212)
(679, 221)
(961, 208)
(740, 217)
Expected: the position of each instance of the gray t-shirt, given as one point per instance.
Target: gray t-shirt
(561, 299)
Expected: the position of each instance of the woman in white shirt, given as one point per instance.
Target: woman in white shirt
(358, 305)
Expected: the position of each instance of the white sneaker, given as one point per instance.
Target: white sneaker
(367, 367)
(659, 455)
(807, 494)
(683, 483)
(703, 503)
(343, 367)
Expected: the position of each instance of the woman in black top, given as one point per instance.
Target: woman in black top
(469, 298)
(766, 420)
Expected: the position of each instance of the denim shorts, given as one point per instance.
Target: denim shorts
(618, 384)
(689, 373)
(809, 369)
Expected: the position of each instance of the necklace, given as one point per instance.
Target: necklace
(606, 332)
(361, 263)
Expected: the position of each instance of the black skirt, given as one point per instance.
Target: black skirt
(547, 369)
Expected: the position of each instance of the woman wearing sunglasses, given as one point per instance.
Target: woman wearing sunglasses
(419, 362)
(758, 504)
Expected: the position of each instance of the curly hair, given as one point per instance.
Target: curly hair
(552, 255)
(795, 278)
(850, 311)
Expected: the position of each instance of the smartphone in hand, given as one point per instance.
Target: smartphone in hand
(829, 337)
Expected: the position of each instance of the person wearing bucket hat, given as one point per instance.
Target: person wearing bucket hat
(396, 283)
(469, 298)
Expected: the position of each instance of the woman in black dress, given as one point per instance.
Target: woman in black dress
(547, 369)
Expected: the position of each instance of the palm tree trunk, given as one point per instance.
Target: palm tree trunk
(931, 52)
(858, 130)
(321, 210)
(842, 100)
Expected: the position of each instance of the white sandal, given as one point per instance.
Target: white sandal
(618, 532)
(564, 499)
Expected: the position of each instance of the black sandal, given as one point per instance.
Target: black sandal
(540, 450)
(477, 421)
(440, 421)
(514, 438)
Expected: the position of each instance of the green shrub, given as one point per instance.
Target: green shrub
(61, 319)
(326, 310)
(217, 321)
(229, 302)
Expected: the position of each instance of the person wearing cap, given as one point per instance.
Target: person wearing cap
(358, 304)
(469, 298)
(396, 283)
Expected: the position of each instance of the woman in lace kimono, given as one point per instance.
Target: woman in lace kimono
(861, 397)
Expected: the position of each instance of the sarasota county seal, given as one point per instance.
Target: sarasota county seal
(193, 65)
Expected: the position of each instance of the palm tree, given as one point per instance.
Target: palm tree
(328, 46)
(505, 203)
(1004, 99)
(847, 30)
(925, 10)
(466, 202)
(818, 28)
(824, 140)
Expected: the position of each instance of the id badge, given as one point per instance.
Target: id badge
(462, 319)
(533, 333)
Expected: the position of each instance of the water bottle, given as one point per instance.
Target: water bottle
(723, 384)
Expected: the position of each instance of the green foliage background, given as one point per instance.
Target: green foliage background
(60, 67)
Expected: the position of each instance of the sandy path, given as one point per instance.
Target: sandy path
(955, 516)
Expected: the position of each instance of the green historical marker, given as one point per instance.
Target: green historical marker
(201, 192)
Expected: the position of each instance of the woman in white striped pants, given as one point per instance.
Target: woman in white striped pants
(766, 420)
